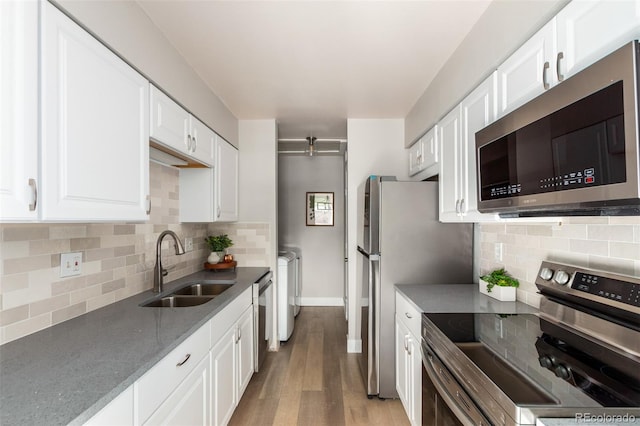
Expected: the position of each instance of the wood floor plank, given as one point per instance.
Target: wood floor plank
(312, 380)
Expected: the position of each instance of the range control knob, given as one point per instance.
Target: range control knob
(546, 361)
(562, 372)
(546, 274)
(561, 277)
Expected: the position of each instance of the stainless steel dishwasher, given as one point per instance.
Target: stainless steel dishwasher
(262, 315)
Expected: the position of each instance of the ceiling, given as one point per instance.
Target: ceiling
(313, 64)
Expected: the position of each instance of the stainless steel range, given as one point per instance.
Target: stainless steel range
(579, 357)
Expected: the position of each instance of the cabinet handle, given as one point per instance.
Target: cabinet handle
(408, 315)
(218, 212)
(148, 205)
(409, 346)
(457, 206)
(34, 194)
(195, 144)
(545, 83)
(462, 207)
(559, 58)
(406, 346)
(186, 358)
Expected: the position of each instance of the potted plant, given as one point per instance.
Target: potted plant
(217, 245)
(499, 285)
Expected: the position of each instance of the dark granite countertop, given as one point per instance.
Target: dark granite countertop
(67, 373)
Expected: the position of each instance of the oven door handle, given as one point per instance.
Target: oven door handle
(461, 405)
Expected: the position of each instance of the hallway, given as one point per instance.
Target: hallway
(312, 380)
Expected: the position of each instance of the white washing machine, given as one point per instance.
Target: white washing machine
(286, 294)
(298, 274)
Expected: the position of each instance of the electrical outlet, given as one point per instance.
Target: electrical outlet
(70, 264)
(498, 252)
(188, 244)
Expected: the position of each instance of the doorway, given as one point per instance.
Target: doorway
(314, 167)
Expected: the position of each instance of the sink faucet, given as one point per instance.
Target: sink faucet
(158, 271)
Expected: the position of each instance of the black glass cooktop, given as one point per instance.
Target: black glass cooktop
(562, 367)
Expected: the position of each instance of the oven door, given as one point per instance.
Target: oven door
(444, 401)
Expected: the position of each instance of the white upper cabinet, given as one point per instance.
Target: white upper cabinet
(18, 110)
(528, 72)
(451, 173)
(203, 141)
(169, 121)
(581, 33)
(589, 30)
(95, 128)
(173, 127)
(424, 156)
(226, 186)
(458, 192)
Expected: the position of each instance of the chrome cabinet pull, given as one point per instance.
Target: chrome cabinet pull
(409, 345)
(218, 212)
(186, 358)
(559, 58)
(545, 83)
(34, 194)
(195, 144)
(148, 205)
(408, 315)
(462, 207)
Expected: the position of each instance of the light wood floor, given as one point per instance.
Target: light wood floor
(312, 380)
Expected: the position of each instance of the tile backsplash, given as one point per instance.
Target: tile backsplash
(118, 260)
(606, 243)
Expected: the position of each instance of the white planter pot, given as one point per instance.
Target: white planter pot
(215, 256)
(504, 294)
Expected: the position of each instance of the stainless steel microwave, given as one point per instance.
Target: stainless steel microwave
(571, 151)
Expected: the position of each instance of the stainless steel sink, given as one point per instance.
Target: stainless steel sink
(202, 289)
(177, 301)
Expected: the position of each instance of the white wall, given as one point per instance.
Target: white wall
(124, 27)
(258, 181)
(322, 246)
(374, 147)
(500, 31)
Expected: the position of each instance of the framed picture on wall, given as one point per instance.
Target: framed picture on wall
(319, 208)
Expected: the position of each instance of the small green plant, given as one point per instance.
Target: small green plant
(501, 278)
(218, 242)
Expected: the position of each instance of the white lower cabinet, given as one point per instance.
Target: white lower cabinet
(231, 367)
(189, 403)
(156, 390)
(118, 412)
(408, 359)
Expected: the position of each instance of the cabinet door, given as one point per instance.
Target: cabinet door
(226, 182)
(95, 128)
(450, 169)
(203, 142)
(402, 366)
(224, 378)
(589, 30)
(169, 122)
(18, 109)
(414, 382)
(245, 350)
(478, 111)
(189, 404)
(528, 72)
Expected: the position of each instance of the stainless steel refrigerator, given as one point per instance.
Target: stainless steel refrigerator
(402, 242)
